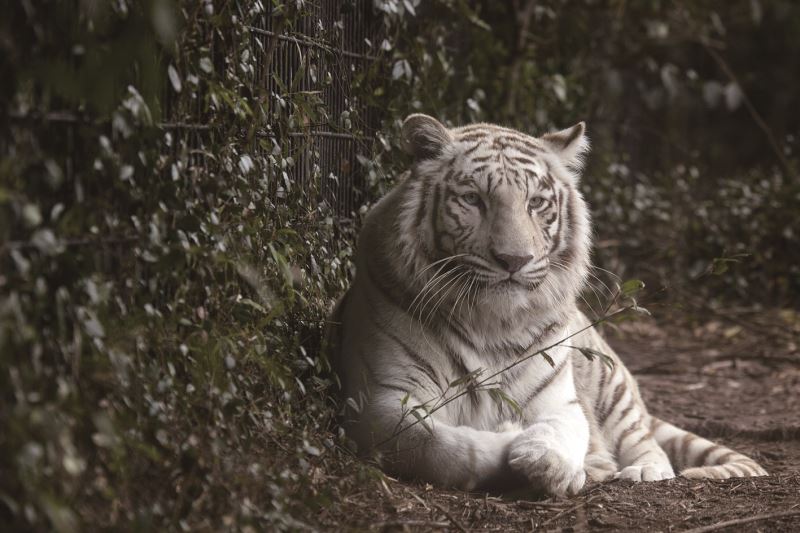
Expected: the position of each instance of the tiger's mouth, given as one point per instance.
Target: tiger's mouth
(511, 283)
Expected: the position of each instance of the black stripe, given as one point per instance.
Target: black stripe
(488, 128)
(625, 412)
(545, 383)
(460, 369)
(416, 384)
(522, 160)
(646, 436)
(572, 217)
(456, 361)
(557, 233)
(421, 208)
(528, 150)
(618, 392)
(576, 130)
(726, 457)
(701, 461)
(418, 360)
(393, 387)
(437, 237)
(472, 149)
(636, 459)
(603, 378)
(458, 331)
(471, 137)
(622, 436)
(684, 453)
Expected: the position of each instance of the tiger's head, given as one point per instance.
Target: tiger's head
(498, 211)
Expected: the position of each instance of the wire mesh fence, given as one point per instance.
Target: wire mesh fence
(320, 57)
(316, 58)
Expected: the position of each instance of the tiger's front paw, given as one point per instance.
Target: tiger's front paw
(646, 472)
(539, 456)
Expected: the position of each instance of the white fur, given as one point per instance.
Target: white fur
(406, 334)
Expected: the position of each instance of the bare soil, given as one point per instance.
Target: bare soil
(736, 385)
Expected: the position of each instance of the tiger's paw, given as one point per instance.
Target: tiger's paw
(536, 454)
(599, 467)
(646, 472)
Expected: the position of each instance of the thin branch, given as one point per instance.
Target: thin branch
(569, 510)
(740, 521)
(411, 523)
(450, 517)
(310, 43)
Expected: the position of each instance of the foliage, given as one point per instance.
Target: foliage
(164, 285)
(165, 274)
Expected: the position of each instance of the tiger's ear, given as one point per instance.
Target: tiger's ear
(570, 144)
(425, 137)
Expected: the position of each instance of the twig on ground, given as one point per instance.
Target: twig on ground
(420, 500)
(740, 521)
(450, 517)
(541, 505)
(568, 510)
(411, 523)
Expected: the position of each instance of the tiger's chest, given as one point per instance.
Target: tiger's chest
(490, 389)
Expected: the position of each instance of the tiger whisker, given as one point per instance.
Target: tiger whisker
(459, 296)
(560, 266)
(448, 259)
(453, 283)
(431, 295)
(428, 286)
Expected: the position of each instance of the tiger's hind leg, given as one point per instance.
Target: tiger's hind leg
(599, 463)
(625, 424)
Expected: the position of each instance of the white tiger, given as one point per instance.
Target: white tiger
(476, 257)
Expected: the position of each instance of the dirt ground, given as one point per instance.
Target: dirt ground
(737, 385)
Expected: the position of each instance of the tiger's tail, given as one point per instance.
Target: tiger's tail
(696, 458)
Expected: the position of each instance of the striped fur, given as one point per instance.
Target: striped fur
(476, 256)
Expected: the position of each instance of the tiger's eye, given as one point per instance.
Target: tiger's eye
(471, 198)
(536, 203)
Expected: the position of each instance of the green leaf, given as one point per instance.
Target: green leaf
(720, 265)
(501, 397)
(591, 354)
(422, 419)
(255, 305)
(469, 377)
(631, 287)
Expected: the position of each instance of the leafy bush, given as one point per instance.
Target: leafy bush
(162, 298)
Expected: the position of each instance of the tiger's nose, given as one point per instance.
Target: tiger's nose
(511, 263)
